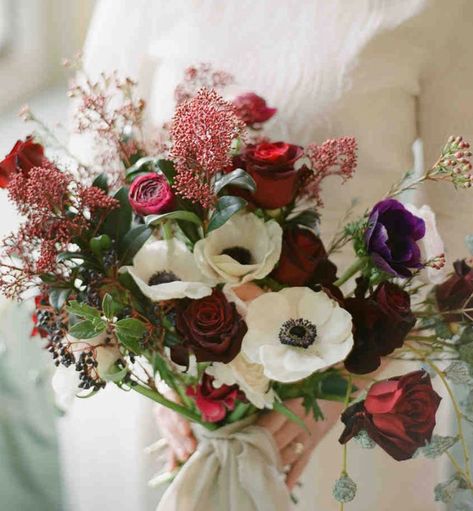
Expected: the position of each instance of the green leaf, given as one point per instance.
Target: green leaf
(129, 332)
(101, 181)
(108, 306)
(186, 216)
(115, 374)
(167, 168)
(131, 243)
(238, 178)
(58, 297)
(284, 410)
(118, 221)
(82, 310)
(48, 278)
(227, 206)
(88, 329)
(145, 164)
(161, 367)
(100, 244)
(308, 218)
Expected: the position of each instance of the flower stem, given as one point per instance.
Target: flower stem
(456, 408)
(352, 270)
(167, 230)
(345, 447)
(159, 398)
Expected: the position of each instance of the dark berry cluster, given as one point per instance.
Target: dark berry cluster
(53, 325)
(87, 368)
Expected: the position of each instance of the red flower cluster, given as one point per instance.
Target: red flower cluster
(335, 157)
(253, 109)
(56, 210)
(198, 77)
(213, 403)
(202, 132)
(398, 414)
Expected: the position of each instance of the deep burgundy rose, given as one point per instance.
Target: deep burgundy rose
(368, 329)
(23, 157)
(456, 293)
(381, 322)
(391, 238)
(303, 260)
(398, 414)
(271, 164)
(151, 194)
(213, 403)
(396, 305)
(252, 109)
(211, 328)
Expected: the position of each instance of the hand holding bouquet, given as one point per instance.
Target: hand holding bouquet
(194, 260)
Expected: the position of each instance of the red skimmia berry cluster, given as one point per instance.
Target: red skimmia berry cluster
(202, 133)
(56, 210)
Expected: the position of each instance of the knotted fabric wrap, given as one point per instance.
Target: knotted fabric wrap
(235, 468)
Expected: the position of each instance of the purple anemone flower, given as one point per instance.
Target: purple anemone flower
(391, 238)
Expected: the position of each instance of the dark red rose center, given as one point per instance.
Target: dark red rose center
(299, 333)
(162, 277)
(240, 254)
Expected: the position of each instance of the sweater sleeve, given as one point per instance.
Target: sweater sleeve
(446, 108)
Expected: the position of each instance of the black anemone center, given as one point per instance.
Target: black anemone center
(240, 254)
(162, 277)
(299, 333)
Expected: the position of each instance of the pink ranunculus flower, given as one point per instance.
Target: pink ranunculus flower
(432, 245)
(151, 194)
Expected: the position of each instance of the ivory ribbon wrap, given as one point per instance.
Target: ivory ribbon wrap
(235, 468)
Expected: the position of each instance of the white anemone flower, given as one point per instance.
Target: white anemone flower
(166, 270)
(296, 332)
(245, 248)
(248, 376)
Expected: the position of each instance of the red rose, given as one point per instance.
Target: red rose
(151, 194)
(271, 164)
(23, 157)
(456, 293)
(213, 403)
(303, 260)
(398, 414)
(396, 305)
(211, 328)
(252, 109)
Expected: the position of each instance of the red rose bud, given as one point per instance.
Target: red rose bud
(22, 158)
(211, 328)
(252, 109)
(398, 414)
(456, 293)
(213, 403)
(271, 165)
(303, 260)
(151, 194)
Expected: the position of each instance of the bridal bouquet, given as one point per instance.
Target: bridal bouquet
(191, 259)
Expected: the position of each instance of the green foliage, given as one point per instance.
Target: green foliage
(226, 207)
(100, 244)
(185, 216)
(118, 221)
(88, 329)
(110, 306)
(284, 410)
(101, 181)
(130, 332)
(115, 374)
(82, 310)
(308, 218)
(131, 243)
(58, 297)
(238, 178)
